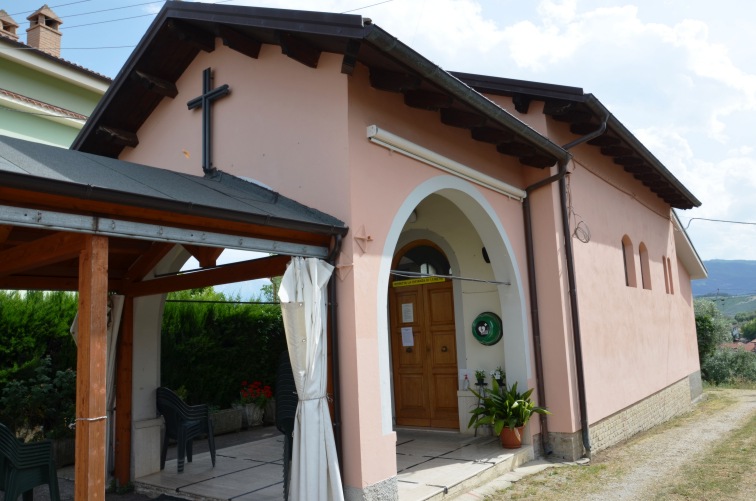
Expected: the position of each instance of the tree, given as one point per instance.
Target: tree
(712, 328)
(748, 330)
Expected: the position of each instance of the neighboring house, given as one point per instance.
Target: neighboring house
(461, 207)
(43, 98)
(741, 345)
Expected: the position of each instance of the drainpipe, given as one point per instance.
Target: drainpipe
(560, 177)
(334, 331)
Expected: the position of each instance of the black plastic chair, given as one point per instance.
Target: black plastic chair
(286, 409)
(183, 423)
(25, 466)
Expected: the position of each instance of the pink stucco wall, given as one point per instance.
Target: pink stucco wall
(636, 341)
(302, 132)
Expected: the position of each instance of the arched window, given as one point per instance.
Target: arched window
(424, 259)
(627, 255)
(645, 270)
(671, 279)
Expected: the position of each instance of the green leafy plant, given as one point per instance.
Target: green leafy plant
(42, 405)
(502, 407)
(480, 375)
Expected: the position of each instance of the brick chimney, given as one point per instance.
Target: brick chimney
(43, 32)
(7, 26)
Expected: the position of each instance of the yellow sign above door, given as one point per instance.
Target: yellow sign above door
(417, 281)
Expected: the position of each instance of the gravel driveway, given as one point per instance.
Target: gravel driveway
(646, 466)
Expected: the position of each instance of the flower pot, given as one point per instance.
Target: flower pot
(254, 415)
(511, 438)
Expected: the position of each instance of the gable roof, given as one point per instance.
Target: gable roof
(182, 29)
(584, 113)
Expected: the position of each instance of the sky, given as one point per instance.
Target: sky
(679, 74)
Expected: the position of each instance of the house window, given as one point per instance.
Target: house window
(669, 272)
(645, 271)
(627, 256)
(666, 274)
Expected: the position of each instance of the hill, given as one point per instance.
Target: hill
(727, 278)
(732, 283)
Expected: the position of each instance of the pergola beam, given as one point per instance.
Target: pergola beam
(55, 248)
(266, 267)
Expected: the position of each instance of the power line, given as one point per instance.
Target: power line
(53, 7)
(367, 6)
(718, 221)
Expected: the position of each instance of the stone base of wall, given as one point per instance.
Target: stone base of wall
(387, 490)
(696, 386)
(654, 410)
(566, 445)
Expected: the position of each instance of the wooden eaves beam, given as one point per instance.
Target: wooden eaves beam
(266, 267)
(44, 251)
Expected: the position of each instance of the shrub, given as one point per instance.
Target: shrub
(729, 366)
(43, 405)
(210, 347)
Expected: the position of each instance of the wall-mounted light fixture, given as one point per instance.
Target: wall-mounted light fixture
(412, 150)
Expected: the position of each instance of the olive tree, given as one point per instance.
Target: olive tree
(712, 328)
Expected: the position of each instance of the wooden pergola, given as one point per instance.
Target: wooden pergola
(75, 221)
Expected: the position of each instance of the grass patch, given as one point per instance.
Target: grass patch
(722, 474)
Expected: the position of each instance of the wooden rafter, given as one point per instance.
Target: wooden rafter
(246, 270)
(155, 84)
(299, 50)
(47, 250)
(239, 42)
(207, 256)
(147, 261)
(5, 230)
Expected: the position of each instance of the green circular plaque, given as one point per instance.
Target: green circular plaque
(486, 328)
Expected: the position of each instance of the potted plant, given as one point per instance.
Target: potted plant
(507, 411)
(480, 377)
(254, 396)
(500, 376)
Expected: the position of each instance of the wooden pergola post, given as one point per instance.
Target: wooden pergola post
(124, 376)
(91, 367)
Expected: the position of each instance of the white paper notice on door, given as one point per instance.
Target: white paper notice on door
(407, 338)
(408, 313)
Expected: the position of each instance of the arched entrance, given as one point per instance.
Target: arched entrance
(423, 338)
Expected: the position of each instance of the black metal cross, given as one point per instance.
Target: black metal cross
(204, 101)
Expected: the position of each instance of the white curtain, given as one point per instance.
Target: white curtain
(115, 308)
(314, 469)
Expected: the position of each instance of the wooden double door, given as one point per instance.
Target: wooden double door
(424, 355)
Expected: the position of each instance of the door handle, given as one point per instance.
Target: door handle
(444, 349)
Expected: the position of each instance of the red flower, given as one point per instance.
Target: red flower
(255, 393)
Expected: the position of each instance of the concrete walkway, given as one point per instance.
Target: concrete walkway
(432, 465)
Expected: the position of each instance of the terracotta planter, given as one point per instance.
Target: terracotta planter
(511, 438)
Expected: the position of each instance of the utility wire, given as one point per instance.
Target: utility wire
(718, 221)
(366, 6)
(53, 7)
